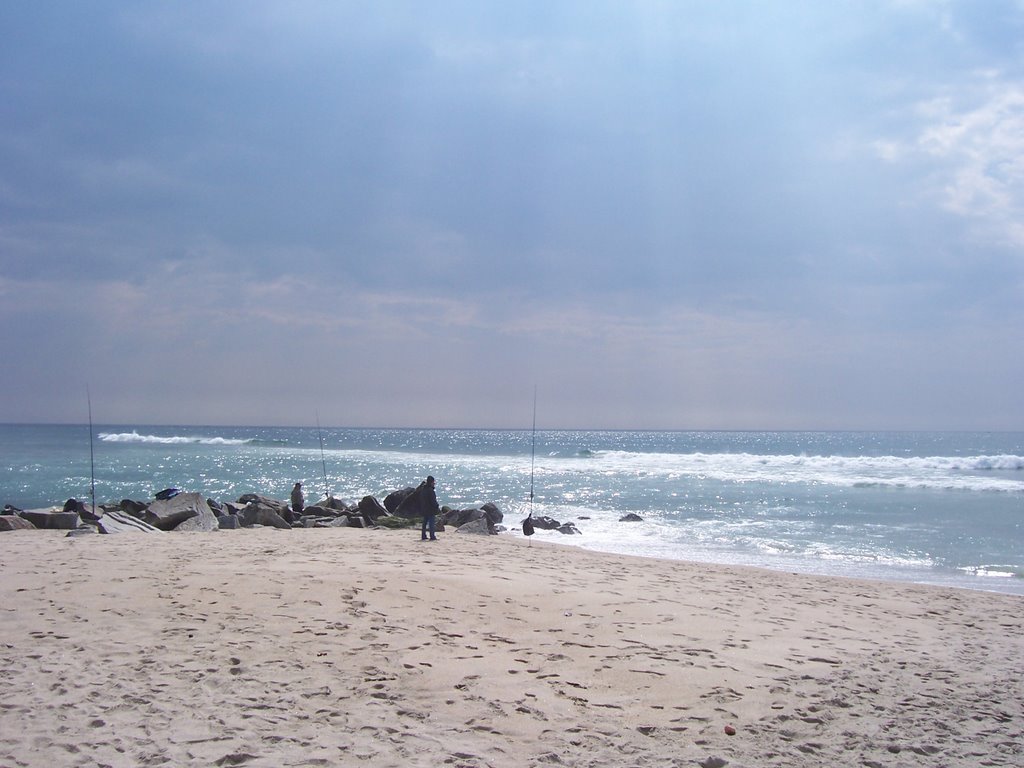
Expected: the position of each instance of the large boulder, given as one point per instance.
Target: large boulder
(394, 499)
(339, 505)
(87, 513)
(266, 501)
(546, 523)
(317, 511)
(206, 520)
(228, 522)
(182, 512)
(116, 521)
(269, 517)
(479, 527)
(370, 508)
(494, 515)
(135, 508)
(460, 517)
(15, 523)
(256, 512)
(52, 519)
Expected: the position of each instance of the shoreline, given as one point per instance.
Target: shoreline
(264, 647)
(1012, 586)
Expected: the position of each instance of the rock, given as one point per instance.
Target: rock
(170, 520)
(182, 512)
(165, 514)
(136, 508)
(461, 517)
(318, 511)
(52, 519)
(631, 518)
(569, 528)
(116, 521)
(714, 762)
(394, 499)
(246, 513)
(480, 526)
(15, 523)
(10, 509)
(265, 501)
(259, 510)
(268, 517)
(546, 523)
(494, 514)
(338, 505)
(410, 508)
(78, 507)
(370, 508)
(228, 522)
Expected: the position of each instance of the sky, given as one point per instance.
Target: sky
(656, 215)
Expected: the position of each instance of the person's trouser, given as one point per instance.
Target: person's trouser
(428, 524)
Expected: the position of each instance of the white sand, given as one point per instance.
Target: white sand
(345, 647)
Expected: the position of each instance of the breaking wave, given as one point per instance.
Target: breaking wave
(975, 473)
(135, 437)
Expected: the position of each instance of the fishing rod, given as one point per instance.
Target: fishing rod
(533, 446)
(323, 461)
(92, 458)
(528, 522)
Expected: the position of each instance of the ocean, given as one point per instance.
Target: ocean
(943, 508)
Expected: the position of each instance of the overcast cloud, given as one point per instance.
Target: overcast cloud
(662, 214)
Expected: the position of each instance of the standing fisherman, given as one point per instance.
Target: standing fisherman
(429, 508)
(423, 502)
(298, 500)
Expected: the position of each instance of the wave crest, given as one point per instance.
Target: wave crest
(135, 437)
(977, 473)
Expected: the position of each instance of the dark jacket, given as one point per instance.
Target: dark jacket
(411, 504)
(421, 502)
(428, 500)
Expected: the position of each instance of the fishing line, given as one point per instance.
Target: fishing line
(92, 458)
(323, 461)
(533, 446)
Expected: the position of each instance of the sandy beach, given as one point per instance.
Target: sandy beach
(346, 646)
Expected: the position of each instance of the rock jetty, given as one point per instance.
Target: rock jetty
(175, 510)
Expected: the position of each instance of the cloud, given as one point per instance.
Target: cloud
(665, 214)
(981, 146)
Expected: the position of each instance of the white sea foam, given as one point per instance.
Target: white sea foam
(972, 473)
(994, 571)
(135, 437)
(1001, 473)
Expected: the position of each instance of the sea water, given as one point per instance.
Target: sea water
(938, 508)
